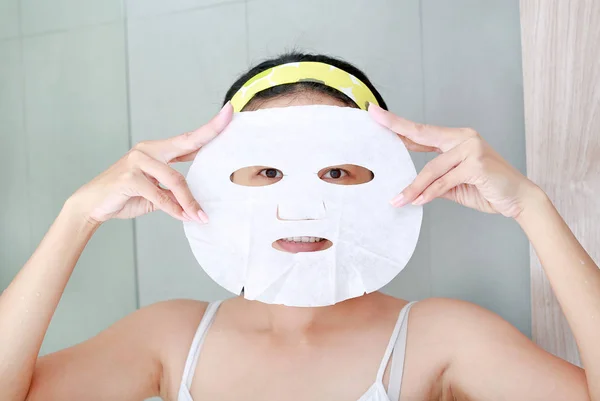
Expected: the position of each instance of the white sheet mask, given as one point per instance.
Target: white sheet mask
(371, 241)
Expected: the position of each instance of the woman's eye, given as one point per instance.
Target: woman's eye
(335, 174)
(271, 173)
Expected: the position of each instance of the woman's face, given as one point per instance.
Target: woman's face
(345, 174)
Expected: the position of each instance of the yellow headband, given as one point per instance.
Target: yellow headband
(305, 71)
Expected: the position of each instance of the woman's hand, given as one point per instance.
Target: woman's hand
(130, 187)
(467, 171)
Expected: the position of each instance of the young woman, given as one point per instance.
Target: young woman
(360, 349)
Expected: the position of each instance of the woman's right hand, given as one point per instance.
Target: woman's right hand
(130, 187)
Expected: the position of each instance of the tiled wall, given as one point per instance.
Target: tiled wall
(81, 79)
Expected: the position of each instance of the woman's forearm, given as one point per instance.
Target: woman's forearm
(574, 277)
(27, 305)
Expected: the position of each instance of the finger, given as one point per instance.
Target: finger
(185, 158)
(174, 199)
(174, 181)
(431, 172)
(415, 147)
(181, 145)
(189, 142)
(442, 138)
(458, 193)
(441, 186)
(159, 197)
(152, 180)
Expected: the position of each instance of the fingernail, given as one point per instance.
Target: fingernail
(203, 217)
(378, 114)
(419, 201)
(223, 117)
(398, 200)
(225, 107)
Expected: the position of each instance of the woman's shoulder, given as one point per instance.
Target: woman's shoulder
(172, 317)
(453, 323)
(175, 323)
(453, 315)
(177, 319)
(447, 310)
(175, 308)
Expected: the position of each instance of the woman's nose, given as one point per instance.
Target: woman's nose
(301, 209)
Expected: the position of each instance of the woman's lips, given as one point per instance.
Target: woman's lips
(301, 244)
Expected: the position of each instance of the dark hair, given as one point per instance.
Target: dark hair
(300, 87)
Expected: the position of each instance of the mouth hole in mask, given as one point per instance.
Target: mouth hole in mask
(302, 244)
(256, 176)
(346, 174)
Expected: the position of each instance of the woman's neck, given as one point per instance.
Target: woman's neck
(300, 321)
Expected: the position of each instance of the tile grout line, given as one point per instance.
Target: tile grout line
(247, 34)
(422, 46)
(26, 135)
(190, 9)
(71, 29)
(114, 21)
(136, 272)
(424, 116)
(10, 38)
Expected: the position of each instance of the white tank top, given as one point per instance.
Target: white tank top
(396, 350)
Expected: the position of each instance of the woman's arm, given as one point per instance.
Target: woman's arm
(27, 305)
(484, 364)
(125, 362)
(126, 355)
(492, 360)
(574, 277)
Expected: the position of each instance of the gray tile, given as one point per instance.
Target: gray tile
(180, 67)
(100, 291)
(167, 268)
(472, 65)
(15, 239)
(38, 16)
(150, 8)
(9, 18)
(76, 116)
(383, 39)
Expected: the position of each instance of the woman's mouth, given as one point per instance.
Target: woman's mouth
(302, 244)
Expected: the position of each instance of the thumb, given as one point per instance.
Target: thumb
(181, 145)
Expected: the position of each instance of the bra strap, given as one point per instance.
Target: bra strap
(194, 353)
(397, 367)
(388, 351)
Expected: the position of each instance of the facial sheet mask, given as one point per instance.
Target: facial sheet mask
(372, 241)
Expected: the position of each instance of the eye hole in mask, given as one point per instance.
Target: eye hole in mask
(345, 174)
(256, 176)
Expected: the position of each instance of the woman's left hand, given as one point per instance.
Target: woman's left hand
(467, 171)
